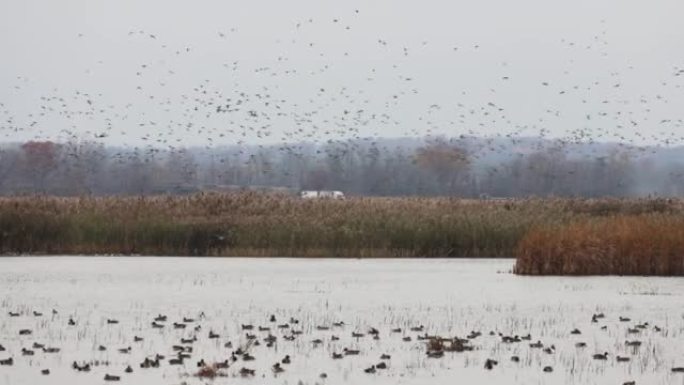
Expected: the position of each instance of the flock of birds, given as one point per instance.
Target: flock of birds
(293, 100)
(239, 356)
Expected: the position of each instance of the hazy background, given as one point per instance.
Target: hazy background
(497, 97)
(400, 68)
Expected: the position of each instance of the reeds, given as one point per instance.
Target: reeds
(253, 224)
(647, 244)
(257, 224)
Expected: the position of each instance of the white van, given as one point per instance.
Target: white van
(327, 194)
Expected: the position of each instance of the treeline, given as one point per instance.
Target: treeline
(465, 167)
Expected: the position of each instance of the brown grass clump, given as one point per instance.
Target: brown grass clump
(210, 372)
(648, 244)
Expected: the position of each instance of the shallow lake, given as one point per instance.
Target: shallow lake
(448, 298)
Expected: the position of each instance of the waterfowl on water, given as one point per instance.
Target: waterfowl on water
(148, 363)
(622, 359)
(277, 368)
(286, 360)
(370, 370)
(128, 369)
(109, 377)
(489, 364)
(600, 356)
(270, 339)
(81, 368)
(7, 362)
(244, 372)
(473, 334)
(548, 369)
(350, 352)
(381, 365)
(45, 372)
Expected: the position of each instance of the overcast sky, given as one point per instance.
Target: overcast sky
(175, 73)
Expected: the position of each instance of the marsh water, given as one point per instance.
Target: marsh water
(447, 298)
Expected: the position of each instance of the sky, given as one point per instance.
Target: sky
(208, 72)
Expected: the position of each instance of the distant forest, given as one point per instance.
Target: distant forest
(462, 167)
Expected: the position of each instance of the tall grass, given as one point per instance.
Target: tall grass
(253, 224)
(256, 224)
(646, 244)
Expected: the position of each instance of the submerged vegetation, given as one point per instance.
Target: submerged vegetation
(549, 236)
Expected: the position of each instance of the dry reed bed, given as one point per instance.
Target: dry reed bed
(254, 224)
(646, 244)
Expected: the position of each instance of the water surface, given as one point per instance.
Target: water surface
(449, 297)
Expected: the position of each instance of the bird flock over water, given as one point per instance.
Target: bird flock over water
(307, 89)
